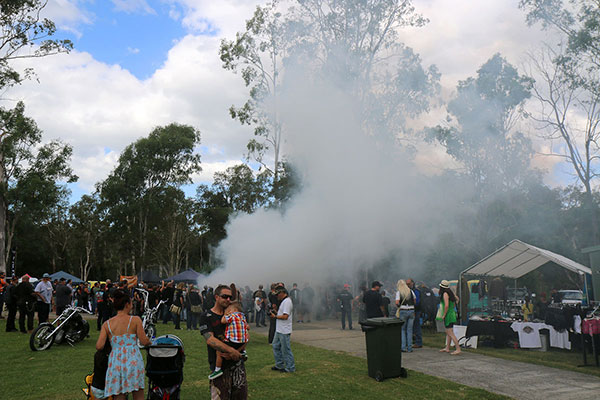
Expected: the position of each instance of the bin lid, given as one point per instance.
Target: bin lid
(381, 321)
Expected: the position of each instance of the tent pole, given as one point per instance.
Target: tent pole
(460, 278)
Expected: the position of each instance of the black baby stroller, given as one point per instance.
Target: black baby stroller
(164, 368)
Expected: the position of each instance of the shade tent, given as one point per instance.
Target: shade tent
(62, 274)
(189, 276)
(518, 258)
(148, 277)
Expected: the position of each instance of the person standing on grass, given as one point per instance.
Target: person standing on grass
(10, 299)
(43, 290)
(448, 300)
(125, 373)
(405, 301)
(282, 350)
(26, 303)
(3, 285)
(417, 324)
(261, 306)
(232, 385)
(345, 300)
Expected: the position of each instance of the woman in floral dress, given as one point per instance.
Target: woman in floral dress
(125, 373)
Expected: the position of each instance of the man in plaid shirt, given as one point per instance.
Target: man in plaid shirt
(236, 334)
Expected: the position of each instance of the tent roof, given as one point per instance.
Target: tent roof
(66, 275)
(186, 276)
(148, 276)
(518, 258)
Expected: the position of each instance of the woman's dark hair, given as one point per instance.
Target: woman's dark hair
(234, 292)
(120, 299)
(451, 295)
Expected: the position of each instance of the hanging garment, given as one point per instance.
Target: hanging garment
(529, 334)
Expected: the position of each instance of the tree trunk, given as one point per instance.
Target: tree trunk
(3, 209)
(592, 209)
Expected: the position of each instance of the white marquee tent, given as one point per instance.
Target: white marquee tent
(517, 259)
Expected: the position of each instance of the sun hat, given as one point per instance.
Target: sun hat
(444, 284)
(46, 275)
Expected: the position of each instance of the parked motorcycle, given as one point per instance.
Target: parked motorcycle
(69, 327)
(149, 316)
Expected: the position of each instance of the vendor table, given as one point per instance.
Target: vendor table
(591, 327)
(500, 330)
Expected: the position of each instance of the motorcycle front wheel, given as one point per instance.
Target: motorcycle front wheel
(150, 332)
(41, 338)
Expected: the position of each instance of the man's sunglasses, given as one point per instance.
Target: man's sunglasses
(225, 296)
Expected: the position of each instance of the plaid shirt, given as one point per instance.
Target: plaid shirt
(237, 328)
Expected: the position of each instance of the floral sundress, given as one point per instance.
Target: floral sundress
(125, 371)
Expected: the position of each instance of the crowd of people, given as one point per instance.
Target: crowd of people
(222, 315)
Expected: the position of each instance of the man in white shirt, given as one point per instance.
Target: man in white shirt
(43, 291)
(282, 351)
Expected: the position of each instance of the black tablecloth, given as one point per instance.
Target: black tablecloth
(500, 330)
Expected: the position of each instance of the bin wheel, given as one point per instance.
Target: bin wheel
(403, 373)
(379, 376)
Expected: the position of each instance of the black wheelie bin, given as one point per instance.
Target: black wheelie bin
(384, 347)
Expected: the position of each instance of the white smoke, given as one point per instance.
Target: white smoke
(362, 201)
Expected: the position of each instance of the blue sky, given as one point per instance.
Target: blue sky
(136, 35)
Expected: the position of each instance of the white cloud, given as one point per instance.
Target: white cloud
(68, 15)
(133, 50)
(95, 106)
(226, 16)
(133, 6)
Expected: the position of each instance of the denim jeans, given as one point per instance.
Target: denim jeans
(284, 359)
(347, 312)
(408, 316)
(417, 329)
(260, 317)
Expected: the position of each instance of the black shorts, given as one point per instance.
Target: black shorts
(450, 325)
(236, 346)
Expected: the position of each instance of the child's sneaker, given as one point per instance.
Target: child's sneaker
(215, 374)
(244, 355)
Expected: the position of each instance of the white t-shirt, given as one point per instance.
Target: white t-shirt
(285, 325)
(529, 334)
(45, 289)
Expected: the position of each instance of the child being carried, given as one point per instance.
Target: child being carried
(236, 334)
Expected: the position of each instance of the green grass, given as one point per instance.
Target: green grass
(555, 358)
(58, 373)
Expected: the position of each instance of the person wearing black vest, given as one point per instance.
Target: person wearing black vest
(405, 301)
(417, 324)
(26, 300)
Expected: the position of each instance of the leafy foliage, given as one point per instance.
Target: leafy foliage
(24, 34)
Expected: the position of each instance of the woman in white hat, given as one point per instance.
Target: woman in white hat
(447, 302)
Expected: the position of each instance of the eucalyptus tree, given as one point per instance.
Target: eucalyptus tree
(33, 174)
(568, 90)
(86, 227)
(167, 158)
(481, 126)
(25, 34)
(238, 189)
(174, 230)
(354, 45)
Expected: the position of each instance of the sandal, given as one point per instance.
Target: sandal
(444, 351)
(456, 352)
